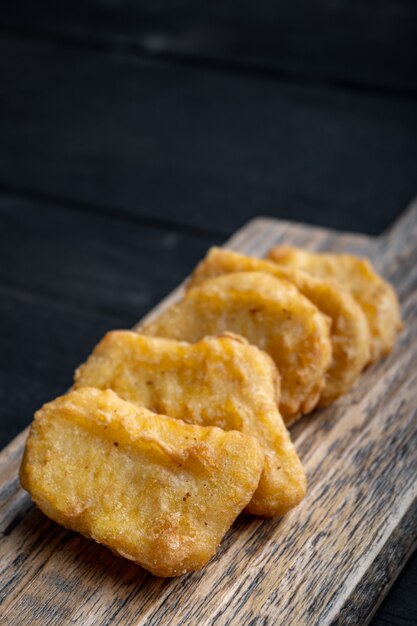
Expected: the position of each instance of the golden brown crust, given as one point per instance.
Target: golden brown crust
(375, 295)
(272, 314)
(349, 328)
(219, 381)
(153, 489)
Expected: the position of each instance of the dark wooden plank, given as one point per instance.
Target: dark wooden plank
(101, 264)
(208, 149)
(366, 45)
(329, 561)
(41, 344)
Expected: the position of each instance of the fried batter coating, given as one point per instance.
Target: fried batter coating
(271, 314)
(219, 381)
(349, 328)
(374, 294)
(153, 489)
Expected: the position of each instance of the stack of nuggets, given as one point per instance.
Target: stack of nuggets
(374, 295)
(171, 431)
(106, 460)
(219, 381)
(349, 331)
(147, 486)
(271, 314)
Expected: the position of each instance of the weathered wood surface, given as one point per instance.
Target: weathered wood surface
(329, 561)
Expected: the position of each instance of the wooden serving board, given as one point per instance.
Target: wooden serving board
(329, 561)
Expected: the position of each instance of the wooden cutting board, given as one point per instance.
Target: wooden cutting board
(329, 561)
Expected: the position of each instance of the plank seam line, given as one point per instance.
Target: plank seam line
(216, 63)
(101, 211)
(62, 303)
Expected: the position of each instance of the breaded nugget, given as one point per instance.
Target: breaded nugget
(153, 489)
(219, 381)
(349, 328)
(271, 314)
(374, 294)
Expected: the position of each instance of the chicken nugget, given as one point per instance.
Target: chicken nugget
(349, 329)
(219, 381)
(153, 489)
(375, 295)
(270, 313)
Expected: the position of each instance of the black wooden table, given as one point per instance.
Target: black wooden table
(135, 135)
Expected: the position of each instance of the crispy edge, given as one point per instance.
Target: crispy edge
(384, 319)
(225, 347)
(77, 518)
(171, 322)
(349, 328)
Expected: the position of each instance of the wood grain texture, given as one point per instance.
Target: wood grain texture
(151, 140)
(368, 45)
(330, 561)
